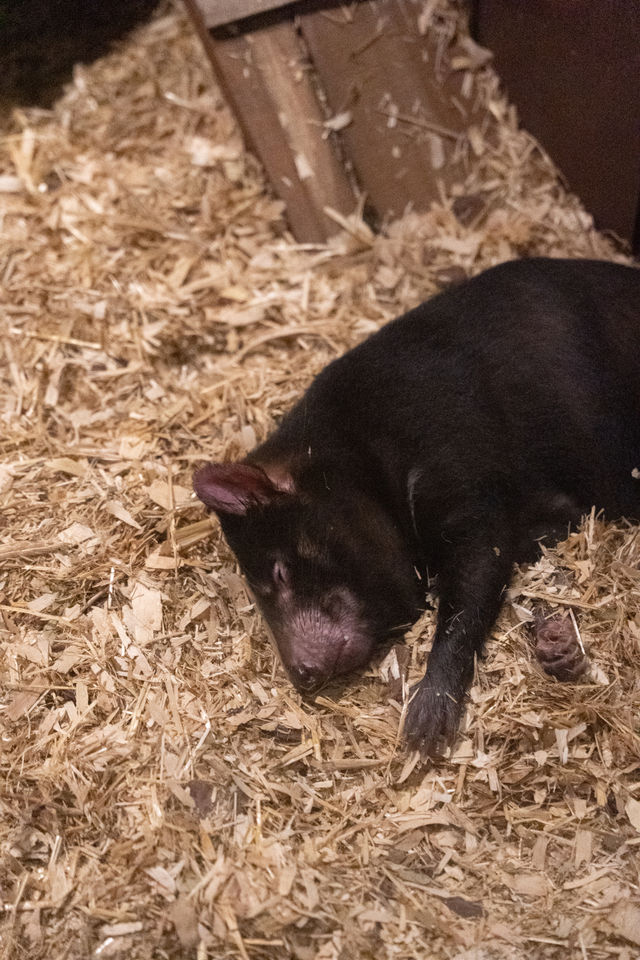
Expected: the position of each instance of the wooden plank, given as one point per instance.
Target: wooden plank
(373, 61)
(216, 13)
(265, 79)
(573, 71)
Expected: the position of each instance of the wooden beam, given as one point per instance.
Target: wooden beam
(216, 13)
(267, 82)
(406, 118)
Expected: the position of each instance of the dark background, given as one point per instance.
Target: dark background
(41, 40)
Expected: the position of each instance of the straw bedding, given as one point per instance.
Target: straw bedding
(164, 793)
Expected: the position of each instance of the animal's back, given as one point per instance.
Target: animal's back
(525, 321)
(532, 366)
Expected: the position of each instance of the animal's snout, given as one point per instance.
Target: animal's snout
(305, 677)
(322, 639)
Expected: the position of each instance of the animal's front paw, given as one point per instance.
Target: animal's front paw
(432, 719)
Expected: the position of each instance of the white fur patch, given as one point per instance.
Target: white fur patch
(414, 475)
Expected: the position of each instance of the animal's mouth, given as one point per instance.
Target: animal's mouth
(305, 681)
(352, 652)
(309, 678)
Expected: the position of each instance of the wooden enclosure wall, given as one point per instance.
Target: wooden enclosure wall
(572, 67)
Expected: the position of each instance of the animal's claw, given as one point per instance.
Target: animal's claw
(432, 719)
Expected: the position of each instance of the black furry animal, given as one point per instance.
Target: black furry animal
(444, 444)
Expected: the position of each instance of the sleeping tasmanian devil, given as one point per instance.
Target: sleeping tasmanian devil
(445, 444)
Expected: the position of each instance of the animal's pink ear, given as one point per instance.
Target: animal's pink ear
(234, 487)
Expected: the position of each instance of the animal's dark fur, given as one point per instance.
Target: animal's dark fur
(446, 442)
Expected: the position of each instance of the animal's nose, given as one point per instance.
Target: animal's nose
(304, 677)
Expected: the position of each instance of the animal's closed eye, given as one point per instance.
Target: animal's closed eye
(280, 573)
